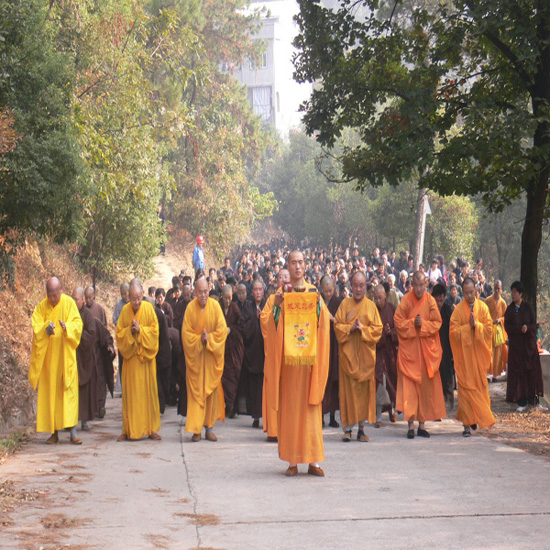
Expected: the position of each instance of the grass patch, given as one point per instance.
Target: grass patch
(12, 442)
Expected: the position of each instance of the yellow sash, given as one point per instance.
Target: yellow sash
(300, 328)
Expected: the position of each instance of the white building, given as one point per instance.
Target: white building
(272, 92)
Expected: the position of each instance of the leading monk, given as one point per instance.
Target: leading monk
(419, 390)
(298, 328)
(269, 409)
(471, 335)
(203, 334)
(57, 328)
(137, 334)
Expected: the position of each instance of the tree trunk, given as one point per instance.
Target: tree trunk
(531, 237)
(537, 192)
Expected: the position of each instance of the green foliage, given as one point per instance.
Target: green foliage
(116, 106)
(460, 87)
(41, 181)
(213, 163)
(452, 228)
(316, 205)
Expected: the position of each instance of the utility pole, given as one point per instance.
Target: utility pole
(422, 210)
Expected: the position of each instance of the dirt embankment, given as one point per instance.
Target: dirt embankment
(35, 263)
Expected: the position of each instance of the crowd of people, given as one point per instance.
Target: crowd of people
(288, 336)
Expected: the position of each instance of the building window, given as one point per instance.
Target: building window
(260, 99)
(261, 65)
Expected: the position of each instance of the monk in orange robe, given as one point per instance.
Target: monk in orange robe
(358, 328)
(137, 335)
(419, 390)
(497, 309)
(203, 335)
(297, 388)
(269, 409)
(471, 335)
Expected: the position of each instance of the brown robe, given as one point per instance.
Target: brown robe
(105, 355)
(524, 370)
(252, 373)
(234, 351)
(386, 353)
(179, 314)
(86, 363)
(99, 313)
(331, 401)
(168, 313)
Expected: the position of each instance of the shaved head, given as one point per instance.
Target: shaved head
(78, 297)
(78, 292)
(227, 290)
(358, 274)
(419, 284)
(201, 284)
(54, 290)
(52, 283)
(136, 294)
(135, 283)
(89, 295)
(380, 296)
(201, 291)
(124, 290)
(227, 296)
(296, 267)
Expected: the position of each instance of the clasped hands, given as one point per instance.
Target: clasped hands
(204, 336)
(135, 327)
(50, 329)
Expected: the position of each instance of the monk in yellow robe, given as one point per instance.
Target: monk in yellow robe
(471, 335)
(497, 309)
(269, 409)
(137, 335)
(358, 328)
(297, 383)
(419, 389)
(203, 334)
(57, 328)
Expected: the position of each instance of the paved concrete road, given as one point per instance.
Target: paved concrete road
(446, 492)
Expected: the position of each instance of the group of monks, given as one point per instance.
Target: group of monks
(388, 358)
(71, 361)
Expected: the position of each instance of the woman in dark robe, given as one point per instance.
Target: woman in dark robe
(331, 402)
(524, 372)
